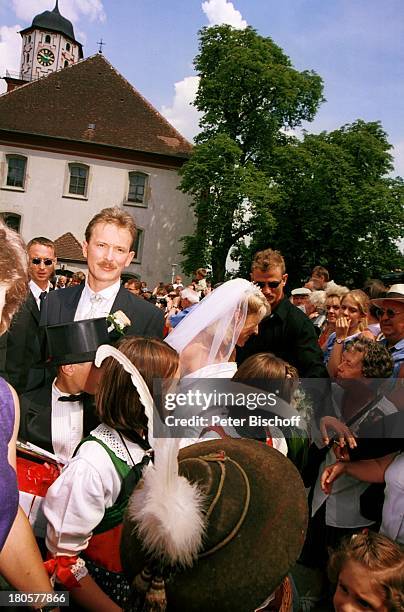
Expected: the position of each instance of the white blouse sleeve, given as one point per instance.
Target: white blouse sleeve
(76, 502)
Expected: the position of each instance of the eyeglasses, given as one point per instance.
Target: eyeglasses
(37, 261)
(388, 311)
(271, 284)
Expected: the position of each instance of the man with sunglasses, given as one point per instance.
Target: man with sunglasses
(21, 349)
(391, 316)
(287, 332)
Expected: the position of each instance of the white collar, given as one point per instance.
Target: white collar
(36, 291)
(56, 392)
(106, 294)
(111, 438)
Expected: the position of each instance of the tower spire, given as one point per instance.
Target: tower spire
(56, 9)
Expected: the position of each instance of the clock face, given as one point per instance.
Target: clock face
(45, 57)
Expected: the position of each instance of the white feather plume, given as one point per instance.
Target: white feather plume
(167, 509)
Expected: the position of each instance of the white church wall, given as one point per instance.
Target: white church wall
(46, 208)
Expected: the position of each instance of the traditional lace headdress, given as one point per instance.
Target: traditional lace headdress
(166, 499)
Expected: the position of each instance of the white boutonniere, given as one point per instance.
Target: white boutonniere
(118, 321)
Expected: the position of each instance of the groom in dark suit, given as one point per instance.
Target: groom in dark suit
(108, 241)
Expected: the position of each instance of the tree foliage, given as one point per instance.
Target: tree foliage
(248, 92)
(230, 198)
(324, 199)
(336, 207)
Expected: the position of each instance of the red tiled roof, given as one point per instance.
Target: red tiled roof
(91, 102)
(68, 247)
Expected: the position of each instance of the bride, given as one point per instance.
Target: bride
(207, 337)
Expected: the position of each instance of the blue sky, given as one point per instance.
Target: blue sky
(357, 47)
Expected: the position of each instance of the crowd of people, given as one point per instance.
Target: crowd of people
(218, 518)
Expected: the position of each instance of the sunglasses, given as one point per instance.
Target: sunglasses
(37, 261)
(388, 311)
(271, 284)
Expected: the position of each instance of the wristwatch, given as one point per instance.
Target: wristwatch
(340, 340)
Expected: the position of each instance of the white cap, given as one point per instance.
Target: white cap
(301, 291)
(190, 295)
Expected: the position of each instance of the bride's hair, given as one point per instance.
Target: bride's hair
(257, 304)
(209, 333)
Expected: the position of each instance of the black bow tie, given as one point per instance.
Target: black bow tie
(79, 397)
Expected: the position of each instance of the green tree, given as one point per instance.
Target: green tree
(230, 198)
(336, 205)
(248, 94)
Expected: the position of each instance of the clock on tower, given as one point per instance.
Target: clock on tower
(48, 45)
(45, 57)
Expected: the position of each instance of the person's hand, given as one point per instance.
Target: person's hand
(341, 453)
(331, 473)
(173, 311)
(344, 434)
(342, 327)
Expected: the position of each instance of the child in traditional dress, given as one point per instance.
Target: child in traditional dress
(369, 572)
(85, 505)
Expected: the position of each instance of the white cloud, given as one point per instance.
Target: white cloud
(10, 51)
(71, 9)
(182, 114)
(222, 11)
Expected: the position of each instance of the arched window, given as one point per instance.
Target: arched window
(78, 179)
(67, 46)
(29, 38)
(16, 166)
(138, 188)
(12, 220)
(66, 63)
(47, 38)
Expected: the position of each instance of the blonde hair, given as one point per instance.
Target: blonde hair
(267, 259)
(257, 304)
(334, 290)
(115, 216)
(13, 272)
(362, 302)
(383, 559)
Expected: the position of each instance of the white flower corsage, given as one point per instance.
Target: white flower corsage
(118, 321)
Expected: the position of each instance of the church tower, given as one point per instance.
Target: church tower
(48, 45)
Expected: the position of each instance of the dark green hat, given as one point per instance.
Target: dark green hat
(255, 514)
